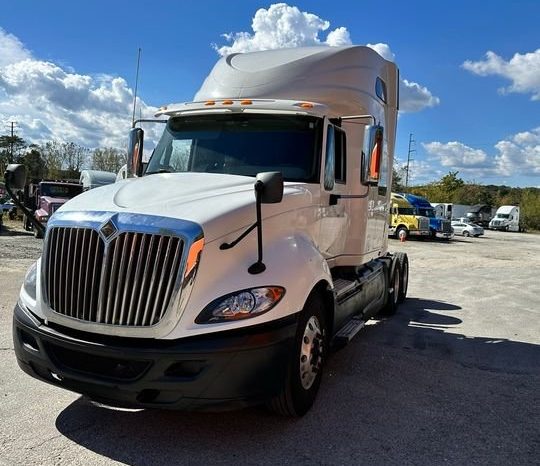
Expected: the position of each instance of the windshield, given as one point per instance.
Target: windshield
(503, 215)
(66, 191)
(243, 144)
(426, 212)
(405, 211)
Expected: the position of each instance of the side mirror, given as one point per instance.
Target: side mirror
(135, 152)
(15, 176)
(269, 186)
(372, 155)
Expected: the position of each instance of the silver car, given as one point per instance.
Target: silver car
(467, 229)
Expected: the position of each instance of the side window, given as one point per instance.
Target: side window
(380, 89)
(329, 166)
(340, 156)
(336, 157)
(384, 172)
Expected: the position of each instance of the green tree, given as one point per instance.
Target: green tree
(10, 149)
(35, 167)
(108, 159)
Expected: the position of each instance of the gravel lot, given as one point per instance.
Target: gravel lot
(454, 378)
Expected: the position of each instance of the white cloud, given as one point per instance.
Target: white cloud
(517, 155)
(522, 69)
(49, 101)
(413, 97)
(12, 49)
(456, 154)
(284, 26)
(383, 50)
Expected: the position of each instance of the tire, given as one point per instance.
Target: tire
(466, 233)
(37, 233)
(392, 299)
(404, 276)
(400, 229)
(306, 362)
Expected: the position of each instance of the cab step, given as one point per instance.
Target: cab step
(348, 331)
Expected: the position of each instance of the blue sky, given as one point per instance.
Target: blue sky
(67, 69)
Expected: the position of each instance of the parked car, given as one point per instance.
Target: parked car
(6, 206)
(467, 229)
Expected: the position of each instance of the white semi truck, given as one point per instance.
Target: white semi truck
(255, 240)
(506, 219)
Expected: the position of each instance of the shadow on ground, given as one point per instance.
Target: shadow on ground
(405, 391)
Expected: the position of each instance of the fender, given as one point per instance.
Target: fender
(292, 261)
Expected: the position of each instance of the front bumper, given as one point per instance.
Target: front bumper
(444, 235)
(419, 232)
(224, 370)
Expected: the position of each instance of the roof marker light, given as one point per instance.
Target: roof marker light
(227, 102)
(246, 102)
(210, 102)
(306, 105)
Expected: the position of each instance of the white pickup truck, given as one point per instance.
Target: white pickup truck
(255, 240)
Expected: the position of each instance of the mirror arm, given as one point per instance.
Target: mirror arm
(21, 206)
(225, 246)
(258, 267)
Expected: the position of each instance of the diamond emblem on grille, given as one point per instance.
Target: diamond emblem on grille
(108, 229)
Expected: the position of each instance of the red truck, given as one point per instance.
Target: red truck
(44, 198)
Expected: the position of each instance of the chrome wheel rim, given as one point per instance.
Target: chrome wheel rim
(311, 352)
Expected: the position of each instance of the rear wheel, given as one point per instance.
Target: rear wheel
(392, 299)
(306, 362)
(466, 233)
(404, 276)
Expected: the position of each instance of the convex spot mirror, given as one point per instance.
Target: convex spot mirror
(269, 186)
(134, 152)
(372, 154)
(15, 176)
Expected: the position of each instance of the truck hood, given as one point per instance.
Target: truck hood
(219, 203)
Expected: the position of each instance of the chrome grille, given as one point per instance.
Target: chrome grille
(446, 226)
(127, 282)
(424, 223)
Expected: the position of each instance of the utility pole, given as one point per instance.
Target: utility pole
(412, 142)
(13, 123)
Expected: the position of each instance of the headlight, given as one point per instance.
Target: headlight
(30, 281)
(42, 218)
(241, 305)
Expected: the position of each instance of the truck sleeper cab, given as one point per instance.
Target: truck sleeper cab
(256, 240)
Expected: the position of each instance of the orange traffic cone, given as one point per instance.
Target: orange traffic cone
(402, 236)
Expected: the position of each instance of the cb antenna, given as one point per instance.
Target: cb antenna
(136, 85)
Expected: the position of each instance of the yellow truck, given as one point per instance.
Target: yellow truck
(402, 218)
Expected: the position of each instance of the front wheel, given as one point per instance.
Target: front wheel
(306, 362)
(466, 234)
(402, 231)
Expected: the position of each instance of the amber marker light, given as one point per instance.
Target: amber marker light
(246, 102)
(193, 256)
(210, 102)
(227, 102)
(306, 105)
